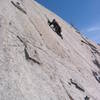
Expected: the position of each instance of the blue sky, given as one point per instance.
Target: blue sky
(84, 14)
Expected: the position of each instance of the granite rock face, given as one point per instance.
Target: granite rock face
(36, 64)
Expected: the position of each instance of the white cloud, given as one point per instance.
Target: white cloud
(92, 29)
(92, 32)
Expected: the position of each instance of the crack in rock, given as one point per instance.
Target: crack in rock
(29, 58)
(96, 62)
(66, 90)
(97, 76)
(77, 86)
(91, 46)
(22, 41)
(26, 52)
(93, 51)
(17, 5)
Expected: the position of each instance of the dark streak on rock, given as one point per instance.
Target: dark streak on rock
(87, 98)
(26, 53)
(97, 76)
(29, 58)
(91, 46)
(10, 23)
(66, 90)
(96, 63)
(77, 86)
(21, 41)
(17, 5)
(69, 83)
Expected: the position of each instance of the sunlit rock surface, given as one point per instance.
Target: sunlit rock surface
(36, 64)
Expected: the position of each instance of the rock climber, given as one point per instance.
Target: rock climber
(55, 27)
